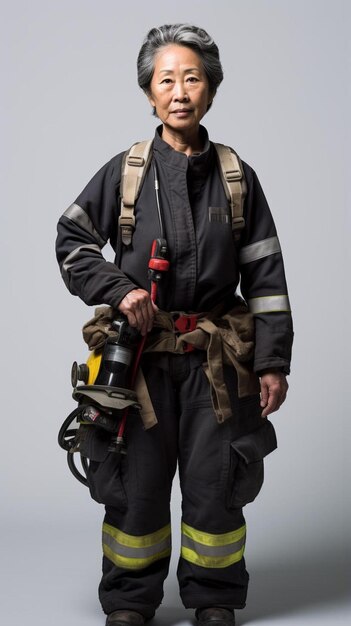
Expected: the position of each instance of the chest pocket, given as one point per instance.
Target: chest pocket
(219, 214)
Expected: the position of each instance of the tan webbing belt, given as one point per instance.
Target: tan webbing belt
(231, 342)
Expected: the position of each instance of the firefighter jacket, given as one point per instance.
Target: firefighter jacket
(206, 265)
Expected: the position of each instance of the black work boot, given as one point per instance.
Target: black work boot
(215, 616)
(125, 618)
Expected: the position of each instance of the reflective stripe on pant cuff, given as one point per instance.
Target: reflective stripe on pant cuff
(211, 550)
(133, 551)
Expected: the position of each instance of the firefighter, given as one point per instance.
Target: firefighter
(210, 416)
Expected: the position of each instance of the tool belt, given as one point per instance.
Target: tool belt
(227, 337)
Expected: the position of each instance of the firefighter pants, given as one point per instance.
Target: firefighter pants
(220, 470)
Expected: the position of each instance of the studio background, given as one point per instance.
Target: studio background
(70, 102)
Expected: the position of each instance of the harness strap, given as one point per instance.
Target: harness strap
(136, 163)
(227, 336)
(234, 184)
(134, 167)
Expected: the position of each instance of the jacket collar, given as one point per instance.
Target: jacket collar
(197, 163)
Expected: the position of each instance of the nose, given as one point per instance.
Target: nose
(179, 92)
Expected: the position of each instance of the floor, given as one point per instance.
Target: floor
(50, 576)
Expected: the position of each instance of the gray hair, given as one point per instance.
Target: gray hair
(184, 35)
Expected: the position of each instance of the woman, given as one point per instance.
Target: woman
(219, 454)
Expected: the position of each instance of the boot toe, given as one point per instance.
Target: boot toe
(215, 616)
(125, 618)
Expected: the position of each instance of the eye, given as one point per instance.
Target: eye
(192, 79)
(166, 81)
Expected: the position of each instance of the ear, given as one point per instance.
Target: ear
(211, 96)
(210, 100)
(150, 99)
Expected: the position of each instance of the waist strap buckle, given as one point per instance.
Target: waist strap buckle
(185, 324)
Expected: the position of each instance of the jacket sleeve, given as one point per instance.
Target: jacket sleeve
(263, 283)
(83, 230)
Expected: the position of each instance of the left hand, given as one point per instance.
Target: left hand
(274, 387)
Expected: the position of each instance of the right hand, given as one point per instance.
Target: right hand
(274, 387)
(139, 309)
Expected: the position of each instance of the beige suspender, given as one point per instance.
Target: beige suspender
(134, 168)
(135, 165)
(234, 185)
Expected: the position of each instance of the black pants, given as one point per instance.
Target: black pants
(216, 481)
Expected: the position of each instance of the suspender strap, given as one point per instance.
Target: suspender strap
(234, 185)
(135, 165)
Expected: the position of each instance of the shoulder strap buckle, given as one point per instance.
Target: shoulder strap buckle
(238, 223)
(126, 224)
(233, 175)
(135, 161)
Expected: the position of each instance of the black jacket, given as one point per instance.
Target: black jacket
(206, 266)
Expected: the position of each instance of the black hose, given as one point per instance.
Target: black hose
(74, 469)
(67, 444)
(64, 430)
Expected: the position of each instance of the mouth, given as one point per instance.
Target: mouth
(181, 112)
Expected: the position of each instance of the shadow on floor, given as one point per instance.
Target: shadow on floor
(310, 585)
(173, 616)
(286, 590)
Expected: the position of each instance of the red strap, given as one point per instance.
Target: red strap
(186, 323)
(188, 347)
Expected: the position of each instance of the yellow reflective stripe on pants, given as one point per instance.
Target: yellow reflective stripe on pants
(133, 551)
(210, 550)
(269, 304)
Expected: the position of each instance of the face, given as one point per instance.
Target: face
(179, 89)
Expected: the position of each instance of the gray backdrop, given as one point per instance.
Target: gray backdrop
(71, 102)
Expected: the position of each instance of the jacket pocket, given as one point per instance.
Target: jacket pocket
(104, 474)
(246, 464)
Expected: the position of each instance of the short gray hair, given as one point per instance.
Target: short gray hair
(184, 35)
